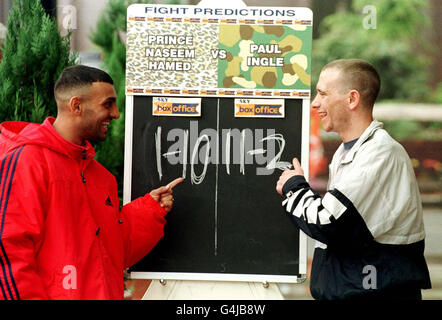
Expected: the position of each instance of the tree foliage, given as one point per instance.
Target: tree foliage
(394, 46)
(34, 55)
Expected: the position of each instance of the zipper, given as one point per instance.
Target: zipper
(97, 232)
(82, 177)
(83, 156)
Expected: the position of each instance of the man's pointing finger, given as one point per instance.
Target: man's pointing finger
(174, 183)
(296, 163)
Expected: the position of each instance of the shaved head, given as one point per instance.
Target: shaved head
(76, 81)
(356, 74)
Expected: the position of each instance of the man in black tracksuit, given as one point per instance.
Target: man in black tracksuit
(369, 225)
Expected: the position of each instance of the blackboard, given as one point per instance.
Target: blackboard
(231, 225)
(240, 82)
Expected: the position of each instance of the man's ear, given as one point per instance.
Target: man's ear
(354, 99)
(74, 105)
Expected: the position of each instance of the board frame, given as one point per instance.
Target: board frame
(127, 191)
(127, 188)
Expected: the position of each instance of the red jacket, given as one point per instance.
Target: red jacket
(62, 235)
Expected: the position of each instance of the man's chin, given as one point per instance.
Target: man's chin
(97, 138)
(326, 127)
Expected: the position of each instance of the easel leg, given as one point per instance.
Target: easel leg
(211, 290)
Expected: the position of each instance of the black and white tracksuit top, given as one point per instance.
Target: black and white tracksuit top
(369, 219)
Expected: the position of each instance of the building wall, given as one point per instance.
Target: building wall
(82, 16)
(5, 5)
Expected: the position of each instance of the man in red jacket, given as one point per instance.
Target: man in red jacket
(62, 235)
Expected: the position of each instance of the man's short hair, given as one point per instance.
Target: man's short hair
(79, 76)
(357, 74)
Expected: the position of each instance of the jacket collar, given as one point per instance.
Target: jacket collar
(374, 125)
(16, 133)
(74, 151)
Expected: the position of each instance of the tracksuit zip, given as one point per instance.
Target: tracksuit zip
(83, 156)
(82, 177)
(97, 232)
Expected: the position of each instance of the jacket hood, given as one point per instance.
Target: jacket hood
(17, 133)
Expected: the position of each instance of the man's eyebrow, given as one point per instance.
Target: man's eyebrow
(110, 99)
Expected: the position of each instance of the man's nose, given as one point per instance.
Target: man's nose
(115, 112)
(315, 102)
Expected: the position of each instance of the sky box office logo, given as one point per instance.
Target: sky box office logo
(170, 107)
(259, 109)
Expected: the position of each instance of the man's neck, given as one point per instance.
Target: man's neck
(66, 131)
(356, 129)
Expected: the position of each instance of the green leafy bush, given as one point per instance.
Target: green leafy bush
(34, 54)
(393, 46)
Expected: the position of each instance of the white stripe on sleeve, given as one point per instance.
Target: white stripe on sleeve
(333, 205)
(312, 210)
(324, 216)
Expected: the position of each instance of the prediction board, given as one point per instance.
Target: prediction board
(219, 97)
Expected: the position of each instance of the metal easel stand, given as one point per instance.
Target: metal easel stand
(211, 290)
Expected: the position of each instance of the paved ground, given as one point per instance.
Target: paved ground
(433, 254)
(433, 251)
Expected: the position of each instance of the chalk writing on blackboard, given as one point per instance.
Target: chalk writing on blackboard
(205, 150)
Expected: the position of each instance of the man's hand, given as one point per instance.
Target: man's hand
(287, 174)
(164, 195)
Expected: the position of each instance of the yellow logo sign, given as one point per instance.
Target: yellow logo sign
(163, 106)
(259, 108)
